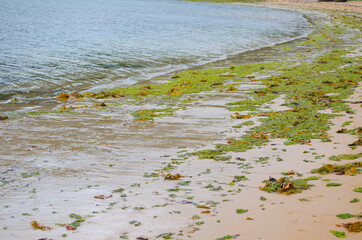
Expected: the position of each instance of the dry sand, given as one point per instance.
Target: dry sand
(354, 6)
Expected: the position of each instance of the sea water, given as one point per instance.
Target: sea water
(50, 46)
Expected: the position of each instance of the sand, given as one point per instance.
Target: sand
(353, 6)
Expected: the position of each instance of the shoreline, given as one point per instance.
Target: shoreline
(149, 201)
(354, 6)
(43, 101)
(37, 95)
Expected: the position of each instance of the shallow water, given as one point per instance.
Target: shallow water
(51, 46)
(53, 165)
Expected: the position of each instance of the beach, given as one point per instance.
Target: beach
(350, 6)
(229, 150)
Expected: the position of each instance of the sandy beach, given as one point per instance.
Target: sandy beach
(350, 6)
(133, 163)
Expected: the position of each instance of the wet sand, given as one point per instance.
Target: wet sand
(53, 165)
(286, 217)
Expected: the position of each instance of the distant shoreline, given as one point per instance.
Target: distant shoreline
(349, 6)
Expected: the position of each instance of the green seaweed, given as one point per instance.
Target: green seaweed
(77, 220)
(29, 174)
(195, 217)
(287, 185)
(354, 131)
(305, 96)
(211, 154)
(345, 215)
(187, 82)
(346, 123)
(262, 198)
(345, 157)
(338, 234)
(240, 178)
(241, 211)
(150, 114)
(333, 184)
(225, 237)
(150, 175)
(346, 169)
(184, 183)
(304, 200)
(119, 190)
(213, 188)
(354, 200)
(247, 123)
(135, 223)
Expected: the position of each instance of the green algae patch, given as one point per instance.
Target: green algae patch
(304, 200)
(352, 21)
(240, 178)
(249, 104)
(297, 126)
(287, 185)
(338, 234)
(228, 237)
(217, 155)
(242, 144)
(75, 224)
(306, 91)
(262, 198)
(345, 157)
(241, 211)
(150, 114)
(150, 175)
(119, 190)
(345, 169)
(190, 82)
(345, 215)
(29, 174)
(355, 131)
(247, 123)
(165, 235)
(333, 184)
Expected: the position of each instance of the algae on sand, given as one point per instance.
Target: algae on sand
(307, 91)
(287, 185)
(346, 169)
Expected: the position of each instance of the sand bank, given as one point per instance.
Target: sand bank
(350, 6)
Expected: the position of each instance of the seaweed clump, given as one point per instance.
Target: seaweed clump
(150, 114)
(37, 226)
(353, 227)
(345, 157)
(306, 91)
(346, 169)
(217, 155)
(287, 185)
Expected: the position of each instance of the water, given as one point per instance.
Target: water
(48, 46)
